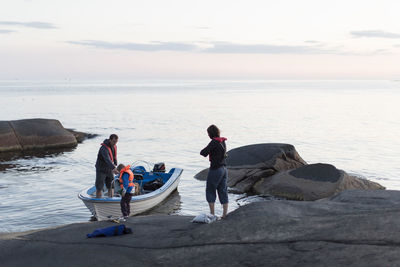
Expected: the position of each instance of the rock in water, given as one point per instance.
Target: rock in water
(265, 156)
(32, 134)
(248, 164)
(81, 136)
(8, 139)
(278, 170)
(311, 182)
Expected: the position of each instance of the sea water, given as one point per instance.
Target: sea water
(354, 125)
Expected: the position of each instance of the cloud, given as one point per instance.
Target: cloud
(376, 34)
(6, 31)
(154, 46)
(202, 28)
(208, 47)
(381, 51)
(32, 24)
(231, 48)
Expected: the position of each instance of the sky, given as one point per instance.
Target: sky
(185, 39)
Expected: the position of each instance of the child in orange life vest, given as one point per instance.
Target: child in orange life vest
(128, 188)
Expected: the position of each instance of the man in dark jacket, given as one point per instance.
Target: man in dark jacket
(106, 165)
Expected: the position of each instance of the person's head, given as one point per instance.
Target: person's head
(113, 139)
(120, 167)
(213, 131)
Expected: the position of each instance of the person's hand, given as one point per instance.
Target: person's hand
(123, 192)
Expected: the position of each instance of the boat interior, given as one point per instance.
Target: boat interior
(141, 176)
(148, 181)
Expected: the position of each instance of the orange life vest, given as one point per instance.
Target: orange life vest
(110, 152)
(128, 171)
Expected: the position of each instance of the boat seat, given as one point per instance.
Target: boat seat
(137, 176)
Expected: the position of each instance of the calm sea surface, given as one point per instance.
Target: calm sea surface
(354, 125)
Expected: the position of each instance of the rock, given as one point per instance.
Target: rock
(246, 185)
(381, 198)
(278, 170)
(42, 133)
(36, 134)
(311, 182)
(275, 156)
(8, 139)
(248, 164)
(202, 175)
(352, 182)
(353, 228)
(81, 136)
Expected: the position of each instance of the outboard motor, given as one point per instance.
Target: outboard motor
(159, 167)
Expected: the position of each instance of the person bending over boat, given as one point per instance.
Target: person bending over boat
(106, 165)
(128, 188)
(217, 174)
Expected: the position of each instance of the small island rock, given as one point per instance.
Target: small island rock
(37, 134)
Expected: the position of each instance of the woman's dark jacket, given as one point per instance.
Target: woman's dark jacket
(216, 149)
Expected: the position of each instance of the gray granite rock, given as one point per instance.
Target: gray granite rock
(8, 139)
(247, 164)
(353, 228)
(311, 182)
(81, 136)
(30, 135)
(42, 133)
(265, 156)
(278, 170)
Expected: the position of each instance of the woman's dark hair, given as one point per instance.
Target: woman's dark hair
(213, 131)
(113, 136)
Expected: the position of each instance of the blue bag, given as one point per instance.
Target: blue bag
(110, 231)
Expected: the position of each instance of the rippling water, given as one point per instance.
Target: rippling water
(353, 125)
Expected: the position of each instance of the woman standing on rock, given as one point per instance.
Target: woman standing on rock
(217, 174)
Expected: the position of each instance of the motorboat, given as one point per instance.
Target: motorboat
(155, 186)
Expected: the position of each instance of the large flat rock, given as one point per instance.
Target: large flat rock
(354, 228)
(34, 136)
(42, 133)
(8, 139)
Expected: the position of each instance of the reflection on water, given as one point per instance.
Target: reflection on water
(6, 166)
(30, 169)
(38, 153)
(22, 161)
(170, 205)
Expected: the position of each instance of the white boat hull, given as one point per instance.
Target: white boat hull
(106, 208)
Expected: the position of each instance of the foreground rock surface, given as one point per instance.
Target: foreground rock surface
(354, 228)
